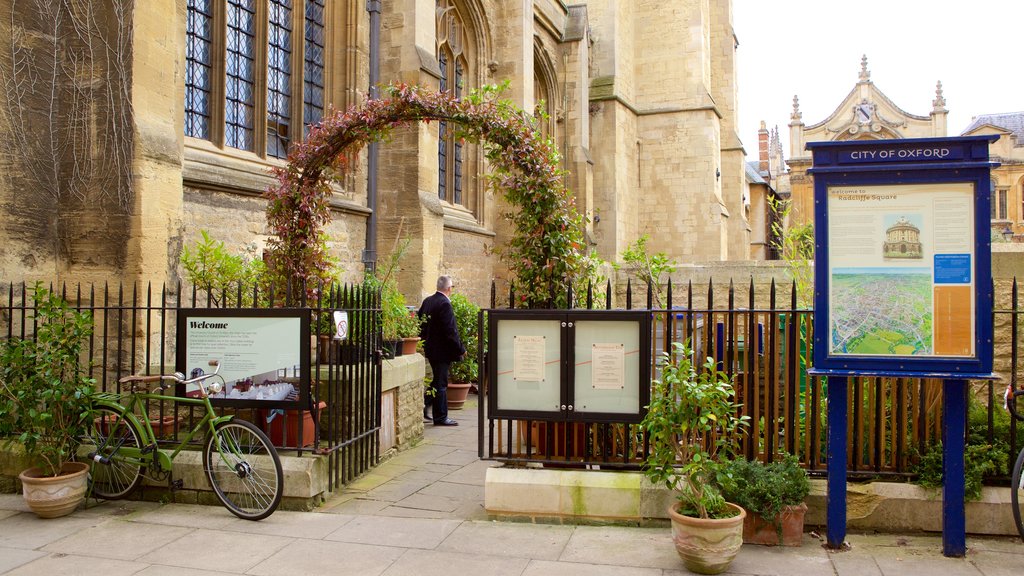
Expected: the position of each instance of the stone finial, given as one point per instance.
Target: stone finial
(865, 75)
(796, 115)
(939, 104)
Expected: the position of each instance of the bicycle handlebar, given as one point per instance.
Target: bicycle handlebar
(1010, 401)
(176, 378)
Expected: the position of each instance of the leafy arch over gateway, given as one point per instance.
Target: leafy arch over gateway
(546, 252)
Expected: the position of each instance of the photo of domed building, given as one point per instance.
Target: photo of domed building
(902, 240)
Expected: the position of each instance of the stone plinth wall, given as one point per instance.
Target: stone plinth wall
(405, 374)
(585, 497)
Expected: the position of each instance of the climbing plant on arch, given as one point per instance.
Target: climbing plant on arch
(546, 252)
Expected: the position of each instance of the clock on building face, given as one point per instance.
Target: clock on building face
(864, 112)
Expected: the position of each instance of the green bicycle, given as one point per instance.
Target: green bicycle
(240, 462)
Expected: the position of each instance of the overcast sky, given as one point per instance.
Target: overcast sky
(813, 49)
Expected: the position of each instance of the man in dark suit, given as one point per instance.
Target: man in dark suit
(441, 346)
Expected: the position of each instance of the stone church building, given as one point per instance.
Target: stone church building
(135, 125)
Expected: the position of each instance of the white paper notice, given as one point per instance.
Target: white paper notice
(528, 358)
(608, 366)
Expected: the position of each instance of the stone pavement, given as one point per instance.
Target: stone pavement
(421, 513)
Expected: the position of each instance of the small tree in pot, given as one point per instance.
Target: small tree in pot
(44, 401)
(691, 423)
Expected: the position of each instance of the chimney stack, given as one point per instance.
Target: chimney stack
(762, 148)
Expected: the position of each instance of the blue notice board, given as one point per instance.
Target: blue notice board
(902, 256)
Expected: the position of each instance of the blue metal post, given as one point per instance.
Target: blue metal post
(954, 413)
(836, 500)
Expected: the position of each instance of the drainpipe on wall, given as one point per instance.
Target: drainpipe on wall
(370, 252)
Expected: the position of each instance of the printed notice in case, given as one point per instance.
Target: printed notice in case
(528, 358)
(608, 366)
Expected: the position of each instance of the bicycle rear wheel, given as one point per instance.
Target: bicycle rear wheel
(111, 476)
(1017, 493)
(244, 469)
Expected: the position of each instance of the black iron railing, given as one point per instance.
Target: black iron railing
(762, 339)
(134, 332)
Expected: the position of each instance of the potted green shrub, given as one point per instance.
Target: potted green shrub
(691, 424)
(44, 403)
(464, 373)
(773, 495)
(409, 331)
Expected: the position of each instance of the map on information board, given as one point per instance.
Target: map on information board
(900, 270)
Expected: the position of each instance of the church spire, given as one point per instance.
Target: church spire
(865, 75)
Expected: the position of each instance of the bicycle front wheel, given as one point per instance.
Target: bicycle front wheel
(112, 475)
(1017, 493)
(244, 469)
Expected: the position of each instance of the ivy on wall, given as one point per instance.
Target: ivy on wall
(545, 254)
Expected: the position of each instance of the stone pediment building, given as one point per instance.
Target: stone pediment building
(1008, 177)
(866, 113)
(162, 119)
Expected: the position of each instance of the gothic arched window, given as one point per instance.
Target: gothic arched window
(243, 67)
(453, 62)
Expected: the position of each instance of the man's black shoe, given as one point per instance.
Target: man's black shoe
(426, 414)
(446, 422)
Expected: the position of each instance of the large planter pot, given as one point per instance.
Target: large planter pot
(55, 496)
(457, 393)
(757, 530)
(707, 546)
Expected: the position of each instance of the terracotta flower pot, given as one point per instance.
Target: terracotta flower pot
(457, 393)
(757, 530)
(707, 546)
(55, 496)
(409, 345)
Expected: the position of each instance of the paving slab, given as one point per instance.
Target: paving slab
(117, 539)
(622, 546)
(11, 558)
(998, 563)
(440, 563)
(25, 530)
(188, 515)
(534, 541)
(423, 501)
(292, 524)
(217, 550)
(318, 557)
(177, 571)
(396, 490)
(404, 532)
(71, 565)
(455, 491)
(781, 560)
(548, 568)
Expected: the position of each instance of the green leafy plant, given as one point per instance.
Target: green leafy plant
(691, 423)
(44, 392)
(648, 268)
(983, 457)
(795, 244)
(466, 370)
(980, 460)
(766, 489)
(209, 266)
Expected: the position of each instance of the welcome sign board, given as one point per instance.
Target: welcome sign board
(263, 355)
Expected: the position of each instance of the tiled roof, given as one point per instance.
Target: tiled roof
(1012, 121)
(752, 175)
